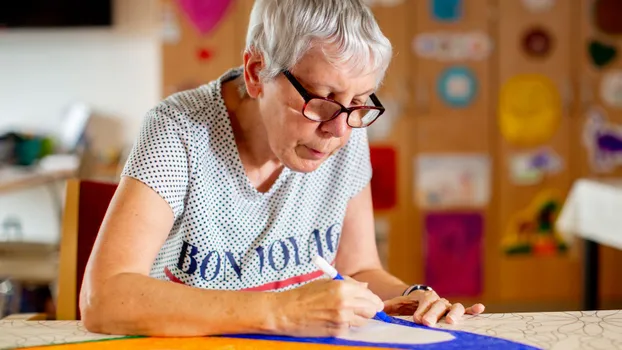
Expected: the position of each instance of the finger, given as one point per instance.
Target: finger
(475, 309)
(364, 308)
(424, 304)
(436, 311)
(358, 321)
(455, 313)
(394, 305)
(359, 291)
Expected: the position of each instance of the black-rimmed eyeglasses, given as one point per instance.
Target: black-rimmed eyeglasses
(321, 109)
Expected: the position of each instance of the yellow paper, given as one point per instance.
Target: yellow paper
(532, 230)
(529, 110)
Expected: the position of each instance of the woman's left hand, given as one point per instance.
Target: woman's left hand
(427, 308)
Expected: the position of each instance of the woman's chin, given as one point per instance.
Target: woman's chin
(302, 165)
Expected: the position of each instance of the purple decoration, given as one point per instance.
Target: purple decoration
(453, 260)
(609, 142)
(204, 14)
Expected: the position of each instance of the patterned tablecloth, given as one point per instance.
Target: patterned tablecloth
(551, 330)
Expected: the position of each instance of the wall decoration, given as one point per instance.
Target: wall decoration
(538, 6)
(454, 253)
(537, 42)
(479, 45)
(204, 54)
(385, 3)
(530, 168)
(452, 180)
(457, 86)
(453, 46)
(600, 53)
(529, 110)
(381, 129)
(171, 33)
(446, 10)
(532, 230)
(205, 15)
(384, 178)
(606, 16)
(611, 88)
(603, 141)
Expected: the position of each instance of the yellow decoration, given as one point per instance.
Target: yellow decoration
(532, 230)
(529, 110)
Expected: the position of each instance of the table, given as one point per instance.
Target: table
(592, 212)
(550, 330)
(15, 178)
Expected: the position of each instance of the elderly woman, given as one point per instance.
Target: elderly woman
(233, 187)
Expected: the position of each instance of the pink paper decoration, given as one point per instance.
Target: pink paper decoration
(204, 14)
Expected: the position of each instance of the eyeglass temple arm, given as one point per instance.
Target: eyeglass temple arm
(297, 85)
(375, 100)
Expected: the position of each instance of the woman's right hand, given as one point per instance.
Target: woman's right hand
(325, 308)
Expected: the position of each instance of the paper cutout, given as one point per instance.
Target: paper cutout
(538, 6)
(385, 3)
(384, 178)
(453, 46)
(462, 341)
(606, 15)
(205, 15)
(529, 110)
(387, 333)
(532, 230)
(452, 180)
(204, 54)
(446, 10)
(611, 88)
(382, 127)
(457, 86)
(603, 141)
(171, 33)
(537, 42)
(600, 53)
(530, 168)
(453, 260)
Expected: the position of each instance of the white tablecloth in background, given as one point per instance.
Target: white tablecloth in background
(593, 211)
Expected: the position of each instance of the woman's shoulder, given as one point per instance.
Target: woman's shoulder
(196, 104)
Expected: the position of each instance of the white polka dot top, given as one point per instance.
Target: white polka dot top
(226, 234)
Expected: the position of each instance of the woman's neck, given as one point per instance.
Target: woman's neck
(261, 165)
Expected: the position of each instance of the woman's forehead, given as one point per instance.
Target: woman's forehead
(318, 72)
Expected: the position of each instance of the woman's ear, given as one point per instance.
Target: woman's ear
(253, 63)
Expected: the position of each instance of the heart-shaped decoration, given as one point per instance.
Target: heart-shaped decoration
(601, 54)
(205, 14)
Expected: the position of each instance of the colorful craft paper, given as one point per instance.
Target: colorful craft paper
(601, 53)
(205, 15)
(529, 110)
(611, 88)
(603, 141)
(457, 86)
(532, 230)
(453, 257)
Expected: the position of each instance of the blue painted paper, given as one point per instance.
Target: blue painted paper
(446, 10)
(457, 86)
(462, 341)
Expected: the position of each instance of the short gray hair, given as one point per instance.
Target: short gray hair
(283, 30)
